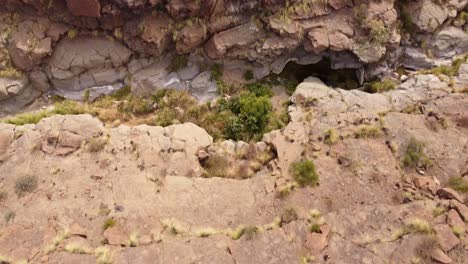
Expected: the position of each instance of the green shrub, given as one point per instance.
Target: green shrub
(27, 118)
(122, 93)
(378, 31)
(380, 86)
(259, 89)
(248, 75)
(304, 173)
(414, 155)
(25, 184)
(459, 184)
(251, 116)
(136, 105)
(11, 73)
(314, 228)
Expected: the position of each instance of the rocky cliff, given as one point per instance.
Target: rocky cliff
(229, 131)
(71, 46)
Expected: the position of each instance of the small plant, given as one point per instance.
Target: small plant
(77, 249)
(250, 232)
(96, 144)
(458, 231)
(216, 166)
(315, 214)
(72, 33)
(206, 232)
(438, 210)
(11, 73)
(122, 93)
(133, 240)
(420, 226)
(380, 86)
(236, 234)
(414, 156)
(103, 255)
(289, 215)
(178, 62)
(459, 184)
(314, 228)
(248, 75)
(378, 31)
(25, 184)
(109, 223)
(304, 173)
(368, 132)
(330, 137)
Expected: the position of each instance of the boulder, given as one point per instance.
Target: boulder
(157, 31)
(116, 236)
(427, 15)
(12, 87)
(460, 208)
(190, 37)
(454, 221)
(448, 193)
(439, 256)
(318, 40)
(85, 61)
(446, 238)
(29, 44)
(238, 37)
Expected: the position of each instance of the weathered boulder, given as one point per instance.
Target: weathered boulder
(427, 15)
(12, 87)
(85, 61)
(29, 44)
(446, 238)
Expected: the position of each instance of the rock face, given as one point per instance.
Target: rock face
(362, 35)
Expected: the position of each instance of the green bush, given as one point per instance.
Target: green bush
(109, 223)
(251, 116)
(216, 72)
(304, 173)
(25, 184)
(259, 89)
(248, 75)
(415, 156)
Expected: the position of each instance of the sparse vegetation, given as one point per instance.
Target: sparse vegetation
(380, 86)
(11, 73)
(110, 222)
(304, 173)
(438, 210)
(77, 249)
(97, 144)
(25, 184)
(72, 33)
(459, 184)
(368, 132)
(133, 240)
(250, 232)
(216, 166)
(330, 137)
(448, 70)
(414, 156)
(417, 225)
(314, 228)
(103, 255)
(289, 215)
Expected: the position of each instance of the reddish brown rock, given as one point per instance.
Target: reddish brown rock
(460, 208)
(440, 256)
(316, 242)
(454, 221)
(89, 8)
(446, 238)
(115, 235)
(190, 37)
(157, 30)
(318, 39)
(448, 193)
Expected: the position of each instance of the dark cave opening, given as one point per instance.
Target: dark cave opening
(342, 78)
